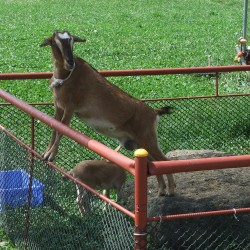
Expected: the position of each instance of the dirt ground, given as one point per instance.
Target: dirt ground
(196, 192)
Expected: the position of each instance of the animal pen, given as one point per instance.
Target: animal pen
(38, 210)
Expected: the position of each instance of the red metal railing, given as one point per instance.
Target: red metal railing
(180, 166)
(82, 139)
(143, 72)
(134, 72)
(199, 214)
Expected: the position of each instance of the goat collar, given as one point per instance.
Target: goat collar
(59, 82)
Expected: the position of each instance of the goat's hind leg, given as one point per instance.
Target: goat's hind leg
(162, 186)
(156, 154)
(171, 184)
(161, 183)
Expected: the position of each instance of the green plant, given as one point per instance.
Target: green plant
(5, 244)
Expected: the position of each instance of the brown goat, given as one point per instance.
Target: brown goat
(80, 89)
(97, 174)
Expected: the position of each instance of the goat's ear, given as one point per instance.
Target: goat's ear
(46, 42)
(78, 39)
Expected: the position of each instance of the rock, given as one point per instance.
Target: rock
(194, 154)
(196, 192)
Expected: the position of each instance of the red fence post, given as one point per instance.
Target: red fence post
(141, 173)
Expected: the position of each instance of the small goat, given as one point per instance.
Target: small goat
(80, 89)
(97, 174)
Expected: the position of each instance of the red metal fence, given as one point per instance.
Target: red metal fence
(140, 167)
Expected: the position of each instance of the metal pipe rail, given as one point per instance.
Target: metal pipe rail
(200, 214)
(82, 139)
(134, 72)
(180, 166)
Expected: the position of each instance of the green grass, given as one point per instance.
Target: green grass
(125, 35)
(4, 242)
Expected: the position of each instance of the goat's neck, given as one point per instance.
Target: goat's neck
(60, 75)
(59, 71)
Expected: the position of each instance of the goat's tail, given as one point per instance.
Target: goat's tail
(164, 110)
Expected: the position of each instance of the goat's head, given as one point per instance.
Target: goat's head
(62, 47)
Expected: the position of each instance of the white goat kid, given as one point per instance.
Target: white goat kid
(80, 89)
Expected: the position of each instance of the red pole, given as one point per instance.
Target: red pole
(141, 174)
(26, 243)
(217, 84)
(200, 214)
(134, 72)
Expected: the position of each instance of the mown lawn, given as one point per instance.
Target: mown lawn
(124, 35)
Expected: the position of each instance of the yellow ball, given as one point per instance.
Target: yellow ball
(141, 153)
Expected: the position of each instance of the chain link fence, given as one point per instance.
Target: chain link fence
(54, 221)
(221, 123)
(220, 232)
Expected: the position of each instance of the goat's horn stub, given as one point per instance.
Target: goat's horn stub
(78, 39)
(46, 42)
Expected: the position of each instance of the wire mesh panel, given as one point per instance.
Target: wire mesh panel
(210, 233)
(206, 123)
(17, 122)
(53, 220)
